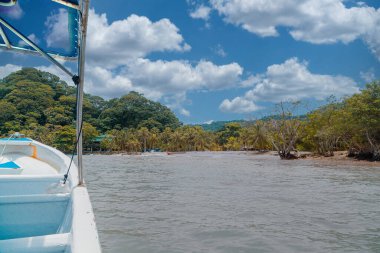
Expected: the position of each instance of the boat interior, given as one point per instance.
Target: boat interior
(35, 206)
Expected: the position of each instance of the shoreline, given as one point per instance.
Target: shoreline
(339, 158)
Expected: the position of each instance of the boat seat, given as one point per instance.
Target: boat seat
(28, 184)
(9, 165)
(35, 198)
(30, 177)
(10, 168)
(55, 243)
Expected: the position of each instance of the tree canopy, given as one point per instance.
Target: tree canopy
(42, 106)
(134, 111)
(38, 102)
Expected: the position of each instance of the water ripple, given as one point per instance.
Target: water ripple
(233, 202)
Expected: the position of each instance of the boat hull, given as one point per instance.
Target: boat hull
(38, 213)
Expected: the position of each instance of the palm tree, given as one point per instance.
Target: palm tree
(143, 134)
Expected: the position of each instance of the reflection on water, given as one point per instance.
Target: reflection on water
(232, 202)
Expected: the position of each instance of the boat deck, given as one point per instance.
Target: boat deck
(35, 207)
(38, 213)
(28, 165)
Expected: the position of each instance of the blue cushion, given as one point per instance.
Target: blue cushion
(9, 165)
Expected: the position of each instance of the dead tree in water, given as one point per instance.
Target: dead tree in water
(283, 132)
(374, 147)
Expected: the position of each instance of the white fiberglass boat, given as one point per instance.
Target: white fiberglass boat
(38, 213)
(44, 203)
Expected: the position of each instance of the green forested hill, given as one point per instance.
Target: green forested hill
(38, 102)
(135, 111)
(218, 125)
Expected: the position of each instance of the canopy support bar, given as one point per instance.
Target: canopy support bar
(68, 4)
(10, 3)
(32, 52)
(5, 38)
(35, 47)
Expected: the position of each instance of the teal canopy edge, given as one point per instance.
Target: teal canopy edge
(73, 29)
(15, 139)
(7, 2)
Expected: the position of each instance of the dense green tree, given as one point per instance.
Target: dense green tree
(143, 135)
(254, 136)
(31, 99)
(58, 115)
(364, 117)
(133, 109)
(7, 113)
(353, 124)
(64, 138)
(89, 133)
(165, 138)
(150, 124)
(324, 132)
(34, 75)
(229, 130)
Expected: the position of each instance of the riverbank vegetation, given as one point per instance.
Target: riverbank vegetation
(42, 106)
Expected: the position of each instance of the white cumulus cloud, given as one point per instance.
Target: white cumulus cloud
(169, 81)
(314, 21)
(238, 105)
(137, 36)
(7, 69)
(116, 62)
(372, 39)
(112, 44)
(368, 75)
(168, 77)
(201, 12)
(104, 83)
(184, 112)
(10, 68)
(57, 29)
(219, 50)
(32, 37)
(291, 80)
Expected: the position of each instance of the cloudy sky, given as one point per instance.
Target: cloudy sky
(216, 59)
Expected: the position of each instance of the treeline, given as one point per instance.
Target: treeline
(352, 124)
(42, 106)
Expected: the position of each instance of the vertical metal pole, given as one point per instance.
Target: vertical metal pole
(82, 49)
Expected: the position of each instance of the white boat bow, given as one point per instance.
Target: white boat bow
(38, 213)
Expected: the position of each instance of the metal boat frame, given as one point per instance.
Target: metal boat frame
(82, 8)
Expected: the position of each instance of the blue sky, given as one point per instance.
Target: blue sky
(217, 59)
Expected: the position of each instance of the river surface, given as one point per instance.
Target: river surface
(232, 202)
